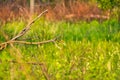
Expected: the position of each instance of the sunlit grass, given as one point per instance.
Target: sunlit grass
(88, 51)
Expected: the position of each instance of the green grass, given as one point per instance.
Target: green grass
(87, 51)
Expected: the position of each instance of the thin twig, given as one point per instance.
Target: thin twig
(32, 63)
(25, 42)
(21, 33)
(45, 72)
(28, 26)
(13, 40)
(3, 45)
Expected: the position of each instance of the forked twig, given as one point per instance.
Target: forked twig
(28, 26)
(13, 40)
(22, 32)
(3, 45)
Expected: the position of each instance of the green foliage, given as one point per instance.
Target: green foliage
(109, 4)
(112, 5)
(88, 51)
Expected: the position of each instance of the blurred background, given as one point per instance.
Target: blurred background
(88, 47)
(70, 10)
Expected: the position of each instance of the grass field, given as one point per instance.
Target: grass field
(84, 51)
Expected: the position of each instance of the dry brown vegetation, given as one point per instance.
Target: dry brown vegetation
(73, 11)
(76, 11)
(12, 11)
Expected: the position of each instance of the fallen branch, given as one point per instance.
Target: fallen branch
(24, 42)
(13, 40)
(3, 45)
(27, 28)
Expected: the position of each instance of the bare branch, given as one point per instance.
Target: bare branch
(28, 26)
(25, 42)
(3, 45)
(21, 33)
